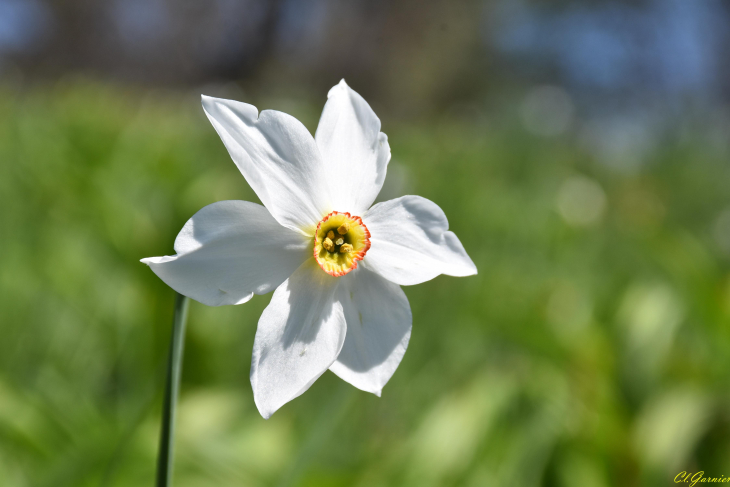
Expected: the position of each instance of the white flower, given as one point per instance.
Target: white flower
(305, 244)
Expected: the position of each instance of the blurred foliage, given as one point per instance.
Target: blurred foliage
(592, 349)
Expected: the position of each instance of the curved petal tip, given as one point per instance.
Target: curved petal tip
(342, 85)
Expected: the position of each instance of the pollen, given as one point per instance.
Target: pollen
(327, 244)
(340, 241)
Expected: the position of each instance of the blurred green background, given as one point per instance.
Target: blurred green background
(583, 166)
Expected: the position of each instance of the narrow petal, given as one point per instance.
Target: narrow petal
(229, 251)
(278, 157)
(355, 151)
(378, 329)
(411, 244)
(299, 335)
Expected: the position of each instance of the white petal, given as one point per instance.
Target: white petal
(299, 335)
(410, 242)
(278, 157)
(355, 151)
(229, 251)
(378, 329)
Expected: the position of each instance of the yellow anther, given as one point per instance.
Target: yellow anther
(328, 245)
(346, 249)
(331, 235)
(339, 241)
(343, 228)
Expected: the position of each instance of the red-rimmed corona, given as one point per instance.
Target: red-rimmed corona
(340, 241)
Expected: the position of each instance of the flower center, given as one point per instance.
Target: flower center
(339, 242)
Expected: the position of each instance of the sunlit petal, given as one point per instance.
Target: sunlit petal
(411, 244)
(354, 150)
(378, 330)
(278, 157)
(229, 251)
(299, 336)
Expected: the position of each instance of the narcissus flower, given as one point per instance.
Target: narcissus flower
(335, 263)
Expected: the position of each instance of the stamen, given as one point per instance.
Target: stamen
(343, 228)
(331, 235)
(346, 249)
(339, 241)
(327, 244)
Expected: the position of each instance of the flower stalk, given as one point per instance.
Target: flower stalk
(172, 387)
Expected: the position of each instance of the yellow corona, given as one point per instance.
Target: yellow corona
(340, 241)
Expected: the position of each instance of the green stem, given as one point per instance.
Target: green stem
(172, 386)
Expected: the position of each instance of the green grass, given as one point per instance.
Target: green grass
(580, 355)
